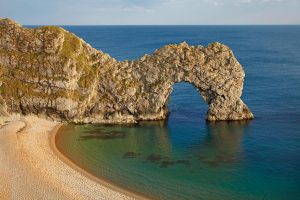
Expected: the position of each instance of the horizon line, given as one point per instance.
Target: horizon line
(161, 24)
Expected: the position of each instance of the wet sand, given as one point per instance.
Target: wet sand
(32, 168)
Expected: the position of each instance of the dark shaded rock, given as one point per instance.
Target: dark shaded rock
(167, 163)
(154, 158)
(185, 162)
(131, 155)
(104, 135)
(211, 163)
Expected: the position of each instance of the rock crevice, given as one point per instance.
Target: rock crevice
(50, 72)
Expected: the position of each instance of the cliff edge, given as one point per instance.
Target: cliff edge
(50, 72)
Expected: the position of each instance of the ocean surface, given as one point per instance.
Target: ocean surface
(184, 157)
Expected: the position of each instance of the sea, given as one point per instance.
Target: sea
(184, 156)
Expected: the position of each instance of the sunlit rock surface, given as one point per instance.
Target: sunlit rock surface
(52, 73)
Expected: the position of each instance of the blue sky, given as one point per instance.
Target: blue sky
(123, 12)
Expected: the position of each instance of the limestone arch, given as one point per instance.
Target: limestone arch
(213, 70)
(62, 77)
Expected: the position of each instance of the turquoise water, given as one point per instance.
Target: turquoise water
(184, 157)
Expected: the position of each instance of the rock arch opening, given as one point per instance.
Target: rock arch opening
(185, 103)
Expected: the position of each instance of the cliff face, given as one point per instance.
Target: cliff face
(50, 72)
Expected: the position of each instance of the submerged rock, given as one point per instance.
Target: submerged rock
(50, 72)
(130, 154)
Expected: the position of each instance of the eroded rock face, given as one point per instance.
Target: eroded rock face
(50, 72)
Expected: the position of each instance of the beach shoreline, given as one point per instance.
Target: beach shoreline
(31, 167)
(100, 180)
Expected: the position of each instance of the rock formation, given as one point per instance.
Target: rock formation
(50, 72)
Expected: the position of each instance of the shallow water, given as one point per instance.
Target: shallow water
(184, 157)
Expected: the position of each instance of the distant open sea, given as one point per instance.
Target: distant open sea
(185, 157)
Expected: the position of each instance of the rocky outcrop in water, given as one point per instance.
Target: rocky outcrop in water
(50, 72)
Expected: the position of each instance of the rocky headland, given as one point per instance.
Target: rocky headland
(52, 73)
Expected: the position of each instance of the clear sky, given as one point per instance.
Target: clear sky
(123, 12)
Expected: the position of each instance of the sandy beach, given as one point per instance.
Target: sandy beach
(31, 169)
